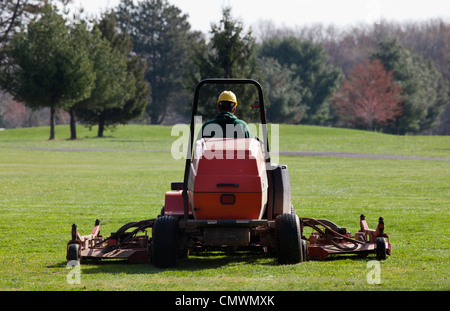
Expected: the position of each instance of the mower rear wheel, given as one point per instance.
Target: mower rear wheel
(304, 249)
(381, 248)
(288, 237)
(165, 242)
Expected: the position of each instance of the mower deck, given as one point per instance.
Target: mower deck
(123, 244)
(325, 240)
(329, 239)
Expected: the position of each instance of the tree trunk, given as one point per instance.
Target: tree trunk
(101, 125)
(397, 125)
(73, 125)
(52, 123)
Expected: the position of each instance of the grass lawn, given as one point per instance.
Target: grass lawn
(43, 191)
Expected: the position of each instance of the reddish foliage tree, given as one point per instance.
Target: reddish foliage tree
(12, 113)
(16, 114)
(368, 97)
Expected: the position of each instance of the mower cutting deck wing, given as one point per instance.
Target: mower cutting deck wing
(125, 243)
(232, 197)
(329, 239)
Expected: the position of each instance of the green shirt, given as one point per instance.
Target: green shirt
(226, 125)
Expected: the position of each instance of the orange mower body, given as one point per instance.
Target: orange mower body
(228, 179)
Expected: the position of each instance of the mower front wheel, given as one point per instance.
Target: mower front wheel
(288, 237)
(164, 246)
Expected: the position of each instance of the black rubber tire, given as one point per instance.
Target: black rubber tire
(304, 249)
(150, 253)
(381, 248)
(165, 242)
(73, 252)
(288, 237)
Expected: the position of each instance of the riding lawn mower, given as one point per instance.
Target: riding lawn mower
(232, 198)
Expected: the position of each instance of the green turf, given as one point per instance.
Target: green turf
(42, 192)
(291, 138)
(313, 138)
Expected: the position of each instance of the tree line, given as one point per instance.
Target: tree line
(141, 61)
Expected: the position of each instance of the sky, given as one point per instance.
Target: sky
(293, 13)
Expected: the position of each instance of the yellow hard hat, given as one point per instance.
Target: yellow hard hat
(227, 96)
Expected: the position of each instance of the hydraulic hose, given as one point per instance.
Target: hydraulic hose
(313, 223)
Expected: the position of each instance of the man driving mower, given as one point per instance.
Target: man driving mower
(225, 124)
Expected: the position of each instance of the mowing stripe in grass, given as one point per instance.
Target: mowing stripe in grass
(358, 155)
(286, 153)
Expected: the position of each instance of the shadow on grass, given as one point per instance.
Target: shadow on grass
(197, 262)
(201, 261)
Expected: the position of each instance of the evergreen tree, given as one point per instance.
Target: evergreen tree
(14, 14)
(161, 35)
(424, 91)
(121, 91)
(283, 93)
(309, 62)
(229, 54)
(48, 67)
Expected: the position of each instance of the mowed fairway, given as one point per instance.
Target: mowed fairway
(46, 186)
